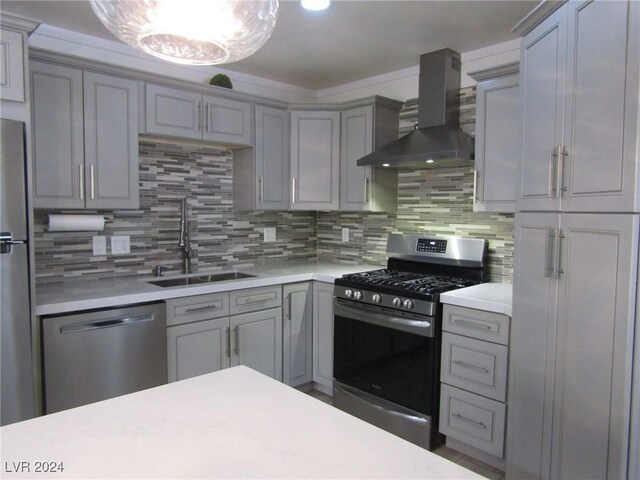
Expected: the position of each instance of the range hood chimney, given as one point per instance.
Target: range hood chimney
(438, 141)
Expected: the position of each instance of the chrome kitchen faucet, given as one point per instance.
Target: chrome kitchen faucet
(183, 240)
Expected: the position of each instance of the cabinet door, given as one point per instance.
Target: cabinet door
(58, 136)
(532, 346)
(272, 158)
(315, 149)
(356, 142)
(11, 66)
(497, 144)
(595, 335)
(111, 141)
(601, 124)
(323, 336)
(227, 121)
(297, 338)
(197, 348)
(542, 76)
(257, 341)
(173, 112)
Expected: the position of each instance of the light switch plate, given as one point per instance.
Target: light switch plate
(270, 234)
(99, 245)
(345, 234)
(120, 244)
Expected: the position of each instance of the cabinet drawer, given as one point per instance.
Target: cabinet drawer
(472, 419)
(470, 322)
(475, 365)
(251, 299)
(199, 307)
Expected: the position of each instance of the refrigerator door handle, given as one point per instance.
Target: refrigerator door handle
(6, 241)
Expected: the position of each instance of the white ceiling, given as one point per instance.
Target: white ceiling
(350, 41)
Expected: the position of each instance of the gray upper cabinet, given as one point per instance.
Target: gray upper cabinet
(11, 65)
(182, 113)
(315, 160)
(497, 139)
(227, 121)
(261, 174)
(579, 140)
(364, 129)
(85, 129)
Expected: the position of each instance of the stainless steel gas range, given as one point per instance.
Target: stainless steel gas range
(387, 333)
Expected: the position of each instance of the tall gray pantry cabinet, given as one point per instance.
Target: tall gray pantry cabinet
(576, 257)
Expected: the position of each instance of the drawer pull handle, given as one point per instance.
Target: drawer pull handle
(205, 307)
(468, 420)
(476, 326)
(470, 367)
(265, 297)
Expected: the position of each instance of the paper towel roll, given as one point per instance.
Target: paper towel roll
(75, 223)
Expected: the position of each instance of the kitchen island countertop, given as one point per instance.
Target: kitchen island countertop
(235, 423)
(491, 297)
(88, 294)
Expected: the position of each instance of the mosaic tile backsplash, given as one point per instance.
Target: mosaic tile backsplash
(219, 236)
(429, 201)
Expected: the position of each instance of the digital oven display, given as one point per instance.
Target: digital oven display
(431, 246)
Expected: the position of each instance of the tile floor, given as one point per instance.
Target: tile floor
(461, 459)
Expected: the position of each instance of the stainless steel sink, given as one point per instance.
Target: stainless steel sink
(200, 279)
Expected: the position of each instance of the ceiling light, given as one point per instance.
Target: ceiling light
(194, 32)
(315, 5)
(430, 161)
(385, 164)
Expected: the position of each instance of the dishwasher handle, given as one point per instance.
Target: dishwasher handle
(107, 323)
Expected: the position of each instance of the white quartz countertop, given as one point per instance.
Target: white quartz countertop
(492, 297)
(83, 295)
(235, 423)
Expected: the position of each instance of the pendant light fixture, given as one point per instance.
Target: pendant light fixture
(194, 32)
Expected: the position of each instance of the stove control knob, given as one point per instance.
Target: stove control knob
(408, 304)
(377, 298)
(357, 295)
(397, 302)
(348, 293)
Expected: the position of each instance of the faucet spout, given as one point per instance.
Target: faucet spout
(183, 240)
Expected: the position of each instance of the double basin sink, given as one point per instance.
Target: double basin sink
(200, 279)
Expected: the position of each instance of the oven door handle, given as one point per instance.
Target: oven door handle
(419, 326)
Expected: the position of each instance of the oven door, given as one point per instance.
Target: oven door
(387, 354)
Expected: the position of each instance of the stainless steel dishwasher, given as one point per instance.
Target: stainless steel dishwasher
(100, 354)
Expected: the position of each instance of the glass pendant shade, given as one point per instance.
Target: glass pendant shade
(194, 32)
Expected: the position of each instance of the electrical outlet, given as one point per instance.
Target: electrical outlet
(270, 234)
(345, 234)
(99, 245)
(120, 244)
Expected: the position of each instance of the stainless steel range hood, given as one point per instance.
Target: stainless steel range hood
(438, 141)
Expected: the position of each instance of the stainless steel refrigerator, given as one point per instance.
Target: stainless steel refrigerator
(16, 374)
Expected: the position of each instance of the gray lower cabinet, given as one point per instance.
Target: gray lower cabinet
(473, 403)
(297, 333)
(261, 174)
(323, 337)
(579, 140)
(85, 132)
(257, 341)
(315, 160)
(187, 114)
(206, 333)
(497, 150)
(363, 129)
(571, 347)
